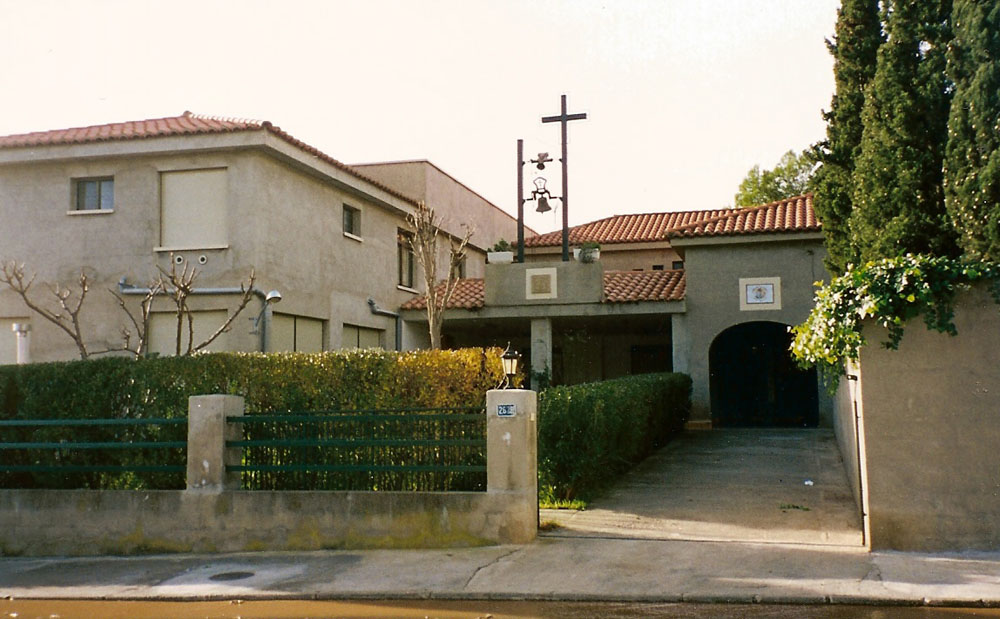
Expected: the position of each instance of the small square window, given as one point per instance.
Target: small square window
(657, 267)
(94, 194)
(352, 221)
(677, 265)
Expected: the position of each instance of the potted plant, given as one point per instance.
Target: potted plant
(501, 253)
(588, 252)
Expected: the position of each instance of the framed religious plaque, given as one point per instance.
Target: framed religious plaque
(760, 293)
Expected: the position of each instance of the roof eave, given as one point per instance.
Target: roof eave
(734, 239)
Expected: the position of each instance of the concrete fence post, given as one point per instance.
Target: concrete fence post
(512, 441)
(208, 432)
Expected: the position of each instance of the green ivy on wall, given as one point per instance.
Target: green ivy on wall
(890, 291)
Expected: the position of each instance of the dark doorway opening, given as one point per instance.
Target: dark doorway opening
(755, 383)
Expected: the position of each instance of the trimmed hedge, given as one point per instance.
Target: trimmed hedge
(589, 434)
(272, 383)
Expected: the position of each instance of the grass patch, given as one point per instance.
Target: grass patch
(551, 503)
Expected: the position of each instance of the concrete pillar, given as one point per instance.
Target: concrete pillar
(511, 441)
(541, 346)
(680, 340)
(21, 330)
(208, 432)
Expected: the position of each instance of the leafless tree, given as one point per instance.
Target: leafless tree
(66, 316)
(424, 242)
(135, 339)
(179, 286)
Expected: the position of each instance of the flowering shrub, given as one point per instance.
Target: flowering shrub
(890, 291)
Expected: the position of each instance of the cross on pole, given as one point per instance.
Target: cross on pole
(563, 118)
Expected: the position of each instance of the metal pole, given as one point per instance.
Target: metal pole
(520, 201)
(565, 187)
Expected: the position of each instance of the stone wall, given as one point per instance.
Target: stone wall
(213, 516)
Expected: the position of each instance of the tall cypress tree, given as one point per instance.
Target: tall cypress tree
(898, 194)
(972, 160)
(856, 41)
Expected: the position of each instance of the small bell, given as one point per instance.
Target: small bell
(543, 205)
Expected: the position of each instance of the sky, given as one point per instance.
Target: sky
(683, 97)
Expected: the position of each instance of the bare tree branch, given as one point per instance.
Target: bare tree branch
(140, 324)
(244, 301)
(426, 227)
(67, 318)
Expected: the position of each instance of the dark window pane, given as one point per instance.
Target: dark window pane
(86, 195)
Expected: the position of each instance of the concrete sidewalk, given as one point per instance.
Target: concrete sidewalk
(564, 568)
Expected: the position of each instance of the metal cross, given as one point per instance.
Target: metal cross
(563, 118)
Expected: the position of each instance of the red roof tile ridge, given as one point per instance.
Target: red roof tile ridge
(628, 228)
(732, 216)
(227, 119)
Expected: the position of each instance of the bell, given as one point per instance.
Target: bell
(543, 205)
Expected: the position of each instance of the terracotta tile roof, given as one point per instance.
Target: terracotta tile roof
(469, 294)
(619, 287)
(632, 286)
(185, 124)
(640, 228)
(790, 215)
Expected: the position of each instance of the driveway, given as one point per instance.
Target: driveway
(776, 486)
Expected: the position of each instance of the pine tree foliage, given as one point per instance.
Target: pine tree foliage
(898, 193)
(856, 41)
(972, 162)
(791, 177)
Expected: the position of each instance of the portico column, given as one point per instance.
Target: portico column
(541, 348)
(680, 340)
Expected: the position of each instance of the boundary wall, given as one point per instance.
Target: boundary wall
(929, 426)
(213, 515)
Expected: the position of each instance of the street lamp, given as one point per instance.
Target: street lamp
(510, 360)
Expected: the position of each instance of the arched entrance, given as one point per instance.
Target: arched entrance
(755, 383)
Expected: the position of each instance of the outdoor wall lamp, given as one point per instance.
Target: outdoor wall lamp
(270, 299)
(510, 360)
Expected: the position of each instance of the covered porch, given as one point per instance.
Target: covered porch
(572, 322)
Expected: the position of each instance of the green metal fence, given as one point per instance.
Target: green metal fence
(93, 453)
(423, 449)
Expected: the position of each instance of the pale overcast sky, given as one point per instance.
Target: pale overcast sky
(683, 96)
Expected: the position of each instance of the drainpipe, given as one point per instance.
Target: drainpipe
(853, 379)
(125, 288)
(375, 309)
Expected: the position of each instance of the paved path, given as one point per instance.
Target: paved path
(551, 568)
(785, 486)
